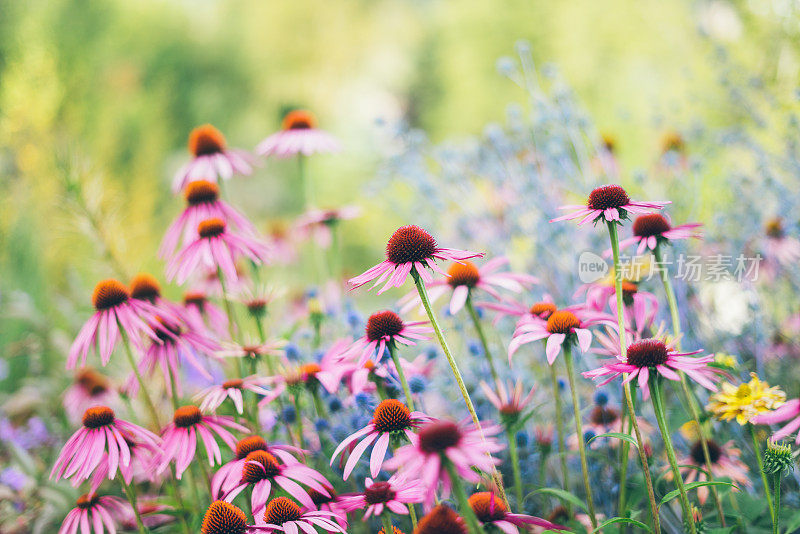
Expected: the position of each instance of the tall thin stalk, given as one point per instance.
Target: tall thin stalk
(579, 430)
(757, 448)
(467, 513)
(477, 323)
(148, 401)
(514, 456)
(562, 440)
(402, 376)
(612, 232)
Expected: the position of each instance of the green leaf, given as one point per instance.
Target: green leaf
(618, 435)
(674, 493)
(793, 523)
(560, 494)
(627, 520)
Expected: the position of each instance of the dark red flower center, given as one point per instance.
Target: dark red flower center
(774, 228)
(299, 119)
(647, 353)
(463, 274)
(410, 244)
(109, 293)
(391, 415)
(608, 196)
(441, 520)
(250, 444)
(98, 416)
(558, 514)
(281, 510)
(439, 436)
(86, 501)
(144, 286)
(224, 518)
(194, 298)
(201, 192)
(562, 322)
(543, 309)
(714, 452)
(234, 383)
(383, 324)
(481, 505)
(379, 492)
(211, 227)
(167, 331)
(205, 140)
(321, 498)
(603, 415)
(92, 381)
(252, 473)
(651, 224)
(187, 416)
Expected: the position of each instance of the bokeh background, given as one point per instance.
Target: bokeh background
(97, 98)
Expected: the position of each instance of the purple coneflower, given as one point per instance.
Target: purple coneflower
(789, 410)
(410, 247)
(491, 511)
(189, 425)
(653, 355)
(283, 515)
(202, 202)
(319, 224)
(299, 135)
(101, 432)
(213, 160)
(463, 445)
(394, 495)
(725, 462)
(89, 388)
(203, 315)
(386, 329)
(609, 203)
(116, 314)
(510, 401)
(465, 276)
(261, 471)
(94, 515)
(212, 397)
(389, 418)
(651, 229)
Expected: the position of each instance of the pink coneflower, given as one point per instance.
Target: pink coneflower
(305, 375)
(653, 355)
(299, 135)
(255, 350)
(441, 520)
(215, 248)
(464, 277)
(230, 474)
(394, 495)
(725, 463)
(789, 410)
(189, 425)
(202, 202)
(410, 247)
(94, 515)
(319, 224)
(176, 344)
(283, 515)
(609, 203)
(604, 419)
(640, 306)
(90, 388)
(331, 503)
(261, 471)
(463, 445)
(101, 432)
(389, 418)
(212, 397)
(779, 246)
(491, 511)
(386, 329)
(508, 306)
(509, 400)
(651, 229)
(143, 457)
(145, 287)
(117, 314)
(561, 326)
(213, 160)
(202, 314)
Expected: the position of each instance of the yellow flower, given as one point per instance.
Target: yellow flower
(725, 360)
(745, 401)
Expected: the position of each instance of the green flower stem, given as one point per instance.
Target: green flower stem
(776, 515)
(467, 513)
(130, 493)
(760, 459)
(687, 392)
(579, 430)
(426, 302)
(514, 454)
(658, 405)
(614, 238)
(562, 440)
(624, 458)
(148, 401)
(230, 311)
(476, 321)
(402, 375)
(387, 523)
(298, 419)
